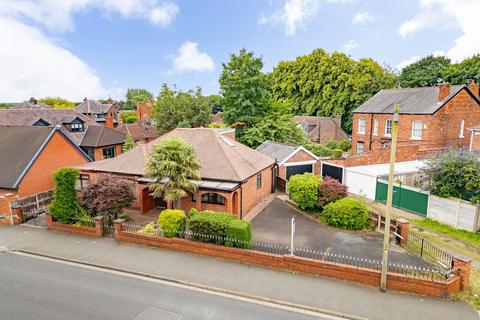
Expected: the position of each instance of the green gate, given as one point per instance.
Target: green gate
(404, 197)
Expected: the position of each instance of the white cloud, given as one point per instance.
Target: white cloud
(447, 15)
(364, 18)
(35, 64)
(350, 45)
(405, 63)
(190, 58)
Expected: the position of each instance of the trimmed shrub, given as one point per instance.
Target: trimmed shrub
(130, 119)
(209, 226)
(344, 145)
(347, 213)
(337, 153)
(64, 206)
(239, 234)
(331, 144)
(303, 190)
(172, 222)
(150, 229)
(330, 190)
(319, 150)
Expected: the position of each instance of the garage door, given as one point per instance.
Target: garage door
(300, 169)
(332, 171)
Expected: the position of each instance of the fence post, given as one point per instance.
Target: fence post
(291, 236)
(118, 226)
(99, 226)
(463, 264)
(404, 226)
(421, 249)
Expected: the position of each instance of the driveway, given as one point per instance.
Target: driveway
(272, 225)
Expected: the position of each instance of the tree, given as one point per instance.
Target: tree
(454, 174)
(64, 206)
(173, 166)
(128, 144)
(464, 71)
(426, 72)
(107, 196)
(57, 103)
(328, 85)
(175, 108)
(245, 89)
(135, 96)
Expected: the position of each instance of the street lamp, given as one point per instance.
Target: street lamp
(386, 233)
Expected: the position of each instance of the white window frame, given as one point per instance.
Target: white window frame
(375, 127)
(413, 136)
(364, 127)
(462, 129)
(386, 127)
(363, 149)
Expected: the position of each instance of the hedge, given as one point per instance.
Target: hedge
(303, 190)
(337, 153)
(64, 206)
(347, 213)
(172, 222)
(209, 226)
(239, 234)
(344, 145)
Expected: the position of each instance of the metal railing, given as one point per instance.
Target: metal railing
(430, 252)
(433, 273)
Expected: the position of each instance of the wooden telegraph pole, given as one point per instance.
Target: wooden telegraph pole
(386, 234)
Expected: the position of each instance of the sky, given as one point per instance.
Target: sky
(98, 48)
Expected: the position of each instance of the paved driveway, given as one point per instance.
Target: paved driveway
(272, 225)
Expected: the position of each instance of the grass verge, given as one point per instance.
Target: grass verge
(471, 238)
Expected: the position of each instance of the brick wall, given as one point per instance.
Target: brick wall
(475, 141)
(144, 111)
(98, 152)
(94, 232)
(299, 157)
(57, 154)
(251, 195)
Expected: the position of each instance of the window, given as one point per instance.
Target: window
(462, 129)
(259, 181)
(76, 127)
(388, 128)
(108, 152)
(362, 123)
(417, 128)
(360, 147)
(213, 198)
(375, 127)
(82, 181)
(100, 116)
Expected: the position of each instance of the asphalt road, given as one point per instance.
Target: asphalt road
(31, 288)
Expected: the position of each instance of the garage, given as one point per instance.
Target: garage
(293, 169)
(332, 171)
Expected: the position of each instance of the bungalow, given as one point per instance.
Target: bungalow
(234, 178)
(321, 129)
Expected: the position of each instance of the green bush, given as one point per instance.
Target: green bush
(193, 212)
(64, 206)
(337, 153)
(150, 229)
(239, 234)
(303, 190)
(209, 226)
(131, 119)
(319, 150)
(125, 217)
(344, 145)
(347, 213)
(331, 144)
(172, 222)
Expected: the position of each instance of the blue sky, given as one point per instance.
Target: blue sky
(99, 48)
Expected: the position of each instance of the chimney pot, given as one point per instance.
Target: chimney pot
(444, 91)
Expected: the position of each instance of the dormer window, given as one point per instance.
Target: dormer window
(76, 127)
(41, 123)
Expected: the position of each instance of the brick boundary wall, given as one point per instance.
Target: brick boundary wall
(94, 232)
(297, 264)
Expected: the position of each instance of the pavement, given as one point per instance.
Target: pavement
(51, 290)
(239, 279)
(273, 225)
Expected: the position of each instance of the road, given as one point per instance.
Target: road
(32, 288)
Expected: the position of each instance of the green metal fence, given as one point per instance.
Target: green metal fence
(404, 197)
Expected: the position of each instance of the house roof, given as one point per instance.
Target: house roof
(277, 150)
(20, 146)
(30, 105)
(220, 158)
(139, 131)
(92, 107)
(324, 126)
(411, 100)
(101, 136)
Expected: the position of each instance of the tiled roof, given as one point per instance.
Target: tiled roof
(411, 100)
(92, 107)
(139, 131)
(30, 105)
(101, 136)
(220, 158)
(322, 128)
(276, 150)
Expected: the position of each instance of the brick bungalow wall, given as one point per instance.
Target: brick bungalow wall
(299, 157)
(441, 129)
(251, 195)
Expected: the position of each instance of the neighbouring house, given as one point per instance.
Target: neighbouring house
(475, 138)
(104, 114)
(291, 159)
(431, 118)
(234, 177)
(321, 129)
(140, 131)
(97, 141)
(30, 155)
(144, 111)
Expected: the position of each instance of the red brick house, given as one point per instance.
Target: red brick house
(144, 111)
(30, 155)
(234, 177)
(321, 129)
(431, 119)
(291, 159)
(105, 114)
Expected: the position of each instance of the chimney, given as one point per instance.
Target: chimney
(474, 88)
(444, 91)
(33, 100)
(109, 120)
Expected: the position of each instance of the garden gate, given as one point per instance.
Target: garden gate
(404, 197)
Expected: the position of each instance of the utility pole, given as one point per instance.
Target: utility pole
(386, 234)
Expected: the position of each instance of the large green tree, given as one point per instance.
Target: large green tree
(328, 85)
(135, 96)
(245, 89)
(57, 103)
(464, 71)
(172, 165)
(175, 108)
(426, 72)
